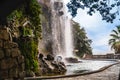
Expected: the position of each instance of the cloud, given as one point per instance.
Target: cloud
(100, 44)
(86, 19)
(99, 52)
(97, 30)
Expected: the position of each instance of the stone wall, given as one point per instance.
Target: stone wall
(11, 60)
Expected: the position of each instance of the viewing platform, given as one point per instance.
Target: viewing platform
(107, 56)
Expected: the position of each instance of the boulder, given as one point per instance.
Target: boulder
(44, 66)
(72, 60)
(49, 66)
(59, 67)
(40, 56)
(30, 74)
(49, 57)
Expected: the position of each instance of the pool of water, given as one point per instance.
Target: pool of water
(87, 66)
(82, 67)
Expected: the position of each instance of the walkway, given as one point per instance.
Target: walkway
(109, 74)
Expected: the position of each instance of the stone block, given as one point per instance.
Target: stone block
(1, 43)
(3, 74)
(8, 63)
(21, 67)
(9, 44)
(13, 73)
(14, 45)
(4, 65)
(22, 75)
(4, 34)
(9, 79)
(1, 54)
(20, 59)
(15, 52)
(7, 52)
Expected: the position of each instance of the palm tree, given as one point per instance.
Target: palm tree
(115, 40)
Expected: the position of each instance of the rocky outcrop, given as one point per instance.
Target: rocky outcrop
(51, 67)
(11, 60)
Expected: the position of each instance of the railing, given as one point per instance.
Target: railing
(108, 56)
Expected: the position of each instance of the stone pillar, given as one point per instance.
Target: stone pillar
(11, 60)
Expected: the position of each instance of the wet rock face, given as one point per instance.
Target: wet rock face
(59, 67)
(61, 13)
(51, 67)
(45, 2)
(11, 60)
(30, 74)
(49, 57)
(41, 56)
(58, 5)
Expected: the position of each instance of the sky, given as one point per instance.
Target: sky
(97, 30)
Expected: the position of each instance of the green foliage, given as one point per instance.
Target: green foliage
(29, 49)
(35, 11)
(105, 7)
(27, 20)
(17, 17)
(17, 14)
(27, 31)
(115, 39)
(81, 41)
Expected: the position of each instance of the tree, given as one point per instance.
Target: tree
(81, 41)
(115, 40)
(104, 7)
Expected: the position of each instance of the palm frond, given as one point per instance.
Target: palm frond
(115, 32)
(118, 28)
(114, 36)
(116, 46)
(111, 41)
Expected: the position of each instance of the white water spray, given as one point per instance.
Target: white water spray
(68, 39)
(62, 32)
(60, 37)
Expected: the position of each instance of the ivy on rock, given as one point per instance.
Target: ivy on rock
(26, 24)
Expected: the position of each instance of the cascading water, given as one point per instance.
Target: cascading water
(60, 36)
(57, 27)
(62, 33)
(68, 39)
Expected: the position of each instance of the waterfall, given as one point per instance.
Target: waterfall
(60, 36)
(62, 32)
(58, 25)
(68, 39)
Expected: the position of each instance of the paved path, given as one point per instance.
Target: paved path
(109, 74)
